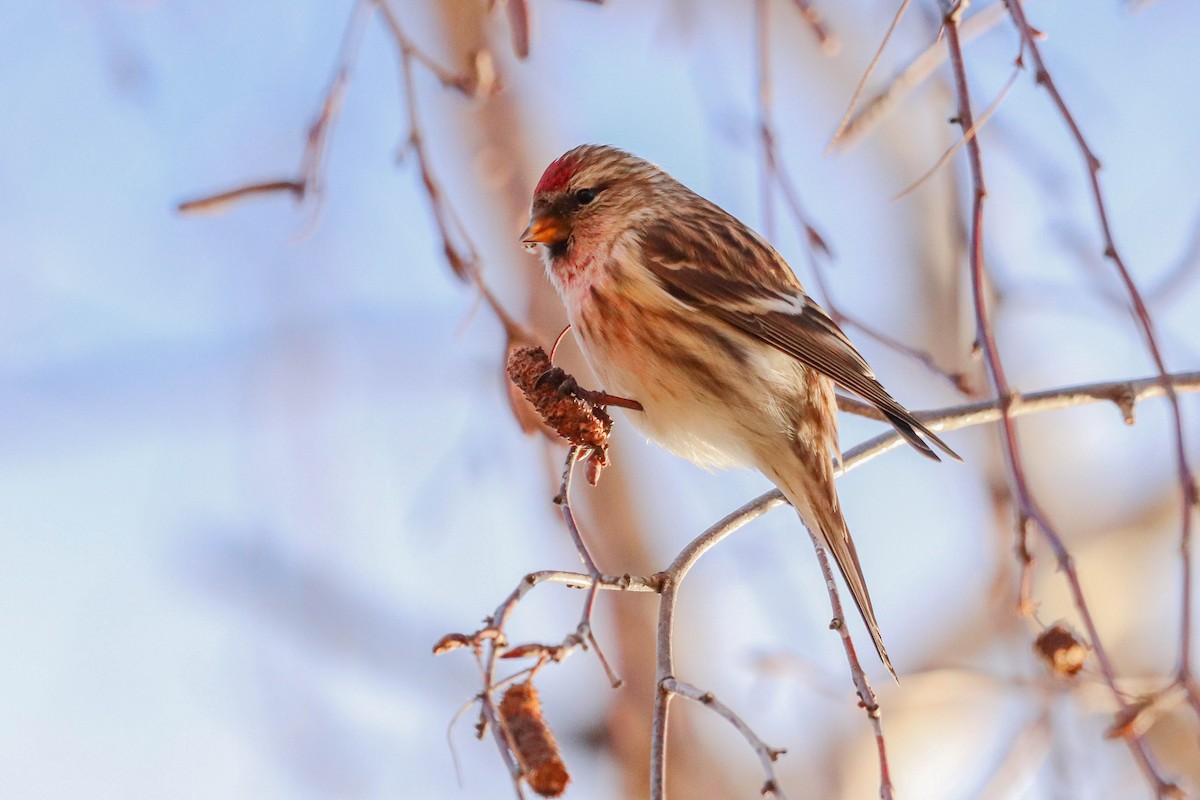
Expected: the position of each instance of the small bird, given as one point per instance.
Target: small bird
(681, 307)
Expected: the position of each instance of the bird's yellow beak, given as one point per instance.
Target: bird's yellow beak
(546, 229)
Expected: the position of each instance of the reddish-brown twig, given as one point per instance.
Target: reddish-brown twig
(776, 175)
(222, 201)
(866, 695)
(307, 184)
(1189, 494)
(1030, 515)
(916, 72)
(862, 83)
(518, 25)
(830, 44)
(962, 140)
(457, 248)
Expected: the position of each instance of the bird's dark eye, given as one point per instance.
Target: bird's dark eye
(585, 196)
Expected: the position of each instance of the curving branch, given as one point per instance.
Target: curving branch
(866, 695)
(306, 184)
(1189, 493)
(1030, 516)
(775, 174)
(1125, 395)
(459, 251)
(767, 755)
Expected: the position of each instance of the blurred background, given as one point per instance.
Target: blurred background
(254, 464)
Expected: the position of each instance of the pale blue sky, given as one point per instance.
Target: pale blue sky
(232, 457)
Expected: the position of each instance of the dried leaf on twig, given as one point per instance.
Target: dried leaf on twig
(451, 641)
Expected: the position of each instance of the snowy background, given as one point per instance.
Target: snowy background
(253, 465)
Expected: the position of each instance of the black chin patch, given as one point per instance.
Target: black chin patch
(558, 249)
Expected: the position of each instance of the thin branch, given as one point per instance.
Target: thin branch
(307, 184)
(1189, 493)
(583, 631)
(829, 42)
(969, 135)
(917, 71)
(766, 754)
(862, 83)
(222, 201)
(463, 259)
(519, 26)
(1123, 394)
(775, 174)
(1030, 515)
(866, 695)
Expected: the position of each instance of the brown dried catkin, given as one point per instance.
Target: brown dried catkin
(532, 741)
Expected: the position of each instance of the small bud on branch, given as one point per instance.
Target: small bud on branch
(1061, 649)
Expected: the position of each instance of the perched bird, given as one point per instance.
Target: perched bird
(681, 307)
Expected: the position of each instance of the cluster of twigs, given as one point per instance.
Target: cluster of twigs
(1030, 516)
(1057, 645)
(579, 416)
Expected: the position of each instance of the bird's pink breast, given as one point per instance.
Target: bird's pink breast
(573, 276)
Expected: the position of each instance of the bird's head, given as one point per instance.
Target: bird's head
(588, 193)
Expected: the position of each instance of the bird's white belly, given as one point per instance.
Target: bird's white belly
(686, 422)
(683, 413)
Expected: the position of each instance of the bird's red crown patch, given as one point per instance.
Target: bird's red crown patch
(557, 175)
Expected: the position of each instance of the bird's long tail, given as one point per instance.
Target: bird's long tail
(841, 547)
(814, 496)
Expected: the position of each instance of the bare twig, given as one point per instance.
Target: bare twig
(962, 140)
(222, 201)
(862, 83)
(308, 182)
(463, 259)
(830, 44)
(866, 695)
(670, 580)
(766, 754)
(917, 71)
(1189, 493)
(584, 630)
(519, 26)
(776, 174)
(1030, 515)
